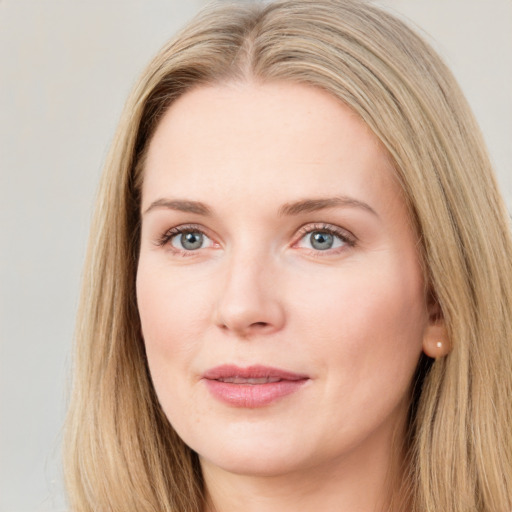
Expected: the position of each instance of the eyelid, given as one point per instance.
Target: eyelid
(346, 236)
(168, 235)
(343, 234)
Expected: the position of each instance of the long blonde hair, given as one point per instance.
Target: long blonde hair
(120, 451)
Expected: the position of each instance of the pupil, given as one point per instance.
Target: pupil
(191, 241)
(321, 241)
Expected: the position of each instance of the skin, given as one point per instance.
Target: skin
(353, 318)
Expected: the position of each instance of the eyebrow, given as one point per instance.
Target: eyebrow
(180, 205)
(313, 205)
(294, 208)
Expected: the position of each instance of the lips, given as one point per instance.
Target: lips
(242, 380)
(253, 386)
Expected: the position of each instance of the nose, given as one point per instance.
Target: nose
(250, 299)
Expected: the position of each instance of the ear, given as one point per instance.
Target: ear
(435, 339)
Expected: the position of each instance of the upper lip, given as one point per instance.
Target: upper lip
(229, 372)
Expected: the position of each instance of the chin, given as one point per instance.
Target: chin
(267, 454)
(256, 463)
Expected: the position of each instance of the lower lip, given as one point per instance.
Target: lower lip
(252, 395)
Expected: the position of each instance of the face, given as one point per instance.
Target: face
(279, 288)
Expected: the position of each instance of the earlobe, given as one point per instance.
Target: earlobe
(436, 342)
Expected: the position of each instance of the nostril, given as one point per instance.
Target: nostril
(246, 314)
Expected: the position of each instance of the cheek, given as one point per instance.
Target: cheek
(368, 320)
(171, 304)
(365, 340)
(171, 310)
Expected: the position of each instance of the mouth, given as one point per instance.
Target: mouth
(253, 386)
(242, 380)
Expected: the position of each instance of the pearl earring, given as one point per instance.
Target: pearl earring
(439, 344)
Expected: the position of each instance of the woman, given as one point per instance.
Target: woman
(298, 291)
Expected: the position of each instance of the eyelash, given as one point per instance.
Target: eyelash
(347, 238)
(179, 230)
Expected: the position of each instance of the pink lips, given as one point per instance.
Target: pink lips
(251, 387)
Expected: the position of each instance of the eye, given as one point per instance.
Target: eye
(324, 238)
(190, 241)
(185, 239)
(321, 241)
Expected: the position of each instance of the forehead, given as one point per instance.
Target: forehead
(280, 136)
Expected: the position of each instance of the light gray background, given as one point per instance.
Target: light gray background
(66, 68)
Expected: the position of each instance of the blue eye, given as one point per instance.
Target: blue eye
(190, 241)
(321, 241)
(324, 239)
